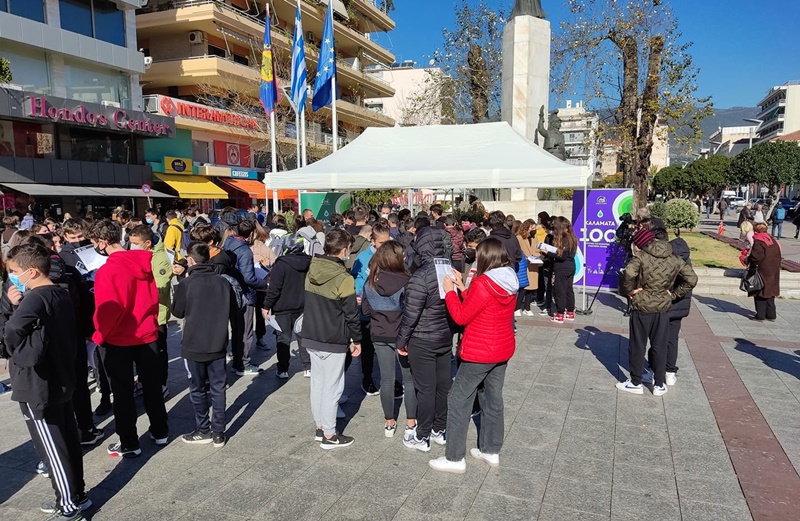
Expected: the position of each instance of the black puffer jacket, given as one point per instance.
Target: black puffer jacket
(425, 322)
(681, 306)
(510, 241)
(286, 284)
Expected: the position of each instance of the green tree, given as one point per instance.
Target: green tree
(771, 164)
(681, 214)
(374, 198)
(670, 180)
(387, 6)
(630, 57)
(708, 175)
(5, 71)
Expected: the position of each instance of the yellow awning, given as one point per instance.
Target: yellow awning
(193, 187)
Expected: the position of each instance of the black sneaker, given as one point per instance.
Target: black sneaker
(91, 436)
(398, 390)
(116, 450)
(370, 389)
(104, 409)
(336, 442)
(81, 501)
(319, 435)
(197, 437)
(219, 439)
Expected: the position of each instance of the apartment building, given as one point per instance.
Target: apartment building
(729, 141)
(779, 111)
(579, 127)
(72, 127)
(204, 58)
(409, 83)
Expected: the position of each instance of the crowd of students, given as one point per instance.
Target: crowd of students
(364, 284)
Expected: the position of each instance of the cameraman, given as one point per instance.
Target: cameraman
(648, 281)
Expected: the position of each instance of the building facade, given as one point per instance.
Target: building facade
(71, 122)
(579, 127)
(659, 158)
(205, 57)
(779, 111)
(409, 83)
(729, 141)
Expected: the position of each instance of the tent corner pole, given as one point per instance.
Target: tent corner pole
(585, 239)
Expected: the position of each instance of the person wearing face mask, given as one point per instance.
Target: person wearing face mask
(39, 341)
(156, 223)
(471, 240)
(142, 238)
(126, 329)
(73, 232)
(237, 246)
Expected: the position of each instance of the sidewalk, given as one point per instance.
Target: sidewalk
(789, 245)
(724, 444)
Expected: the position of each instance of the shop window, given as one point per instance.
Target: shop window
(101, 147)
(99, 19)
(31, 9)
(23, 139)
(28, 67)
(96, 84)
(200, 152)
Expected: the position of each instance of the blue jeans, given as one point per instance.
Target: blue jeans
(777, 226)
(207, 391)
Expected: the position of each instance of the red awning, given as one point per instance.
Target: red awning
(255, 189)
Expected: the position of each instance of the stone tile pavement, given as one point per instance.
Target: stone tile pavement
(576, 449)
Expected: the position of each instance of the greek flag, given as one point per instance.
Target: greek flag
(326, 67)
(299, 92)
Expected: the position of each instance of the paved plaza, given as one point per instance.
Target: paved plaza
(722, 445)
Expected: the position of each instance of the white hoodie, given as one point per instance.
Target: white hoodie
(506, 278)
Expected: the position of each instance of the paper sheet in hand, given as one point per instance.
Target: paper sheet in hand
(274, 323)
(443, 269)
(546, 247)
(261, 273)
(90, 258)
(533, 259)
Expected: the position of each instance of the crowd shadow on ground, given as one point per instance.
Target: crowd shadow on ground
(773, 358)
(606, 347)
(723, 306)
(13, 477)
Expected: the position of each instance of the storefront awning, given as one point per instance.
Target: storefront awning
(113, 191)
(256, 189)
(193, 187)
(52, 190)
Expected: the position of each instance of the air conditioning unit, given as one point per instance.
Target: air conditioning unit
(148, 61)
(310, 37)
(107, 103)
(196, 37)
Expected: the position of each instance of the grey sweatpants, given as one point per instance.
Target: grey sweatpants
(327, 384)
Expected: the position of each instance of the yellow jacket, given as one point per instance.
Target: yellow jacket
(172, 239)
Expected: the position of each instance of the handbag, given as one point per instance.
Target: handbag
(752, 283)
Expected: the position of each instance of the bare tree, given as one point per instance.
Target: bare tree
(630, 57)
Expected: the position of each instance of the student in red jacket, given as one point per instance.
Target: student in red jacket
(487, 313)
(126, 329)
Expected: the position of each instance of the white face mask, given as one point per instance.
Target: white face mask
(136, 247)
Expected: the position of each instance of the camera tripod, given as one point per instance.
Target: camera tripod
(609, 266)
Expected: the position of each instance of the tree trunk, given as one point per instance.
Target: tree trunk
(644, 141)
(478, 84)
(628, 105)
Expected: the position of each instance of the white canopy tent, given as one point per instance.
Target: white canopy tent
(486, 155)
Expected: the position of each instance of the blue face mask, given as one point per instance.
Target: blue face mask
(148, 220)
(14, 279)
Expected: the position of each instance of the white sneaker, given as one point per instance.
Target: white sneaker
(409, 433)
(492, 459)
(628, 387)
(307, 373)
(444, 465)
(672, 378)
(389, 430)
(440, 438)
(659, 390)
(518, 313)
(422, 445)
(529, 313)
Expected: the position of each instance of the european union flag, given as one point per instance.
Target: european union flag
(299, 91)
(268, 94)
(326, 67)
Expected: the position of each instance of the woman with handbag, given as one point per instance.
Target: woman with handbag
(765, 261)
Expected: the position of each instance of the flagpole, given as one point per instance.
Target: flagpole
(274, 159)
(305, 143)
(335, 118)
(298, 137)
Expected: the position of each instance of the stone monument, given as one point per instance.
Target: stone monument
(526, 67)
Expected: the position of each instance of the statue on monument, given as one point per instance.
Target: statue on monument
(528, 8)
(553, 138)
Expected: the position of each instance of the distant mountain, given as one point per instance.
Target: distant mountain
(732, 117)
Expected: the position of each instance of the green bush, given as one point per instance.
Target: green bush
(680, 214)
(289, 216)
(658, 209)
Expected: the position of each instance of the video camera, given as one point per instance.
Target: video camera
(625, 231)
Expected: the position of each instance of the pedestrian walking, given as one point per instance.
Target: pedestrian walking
(765, 259)
(723, 208)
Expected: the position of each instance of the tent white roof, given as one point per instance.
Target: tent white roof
(485, 155)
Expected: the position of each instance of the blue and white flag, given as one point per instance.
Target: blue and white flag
(299, 91)
(326, 67)
(268, 93)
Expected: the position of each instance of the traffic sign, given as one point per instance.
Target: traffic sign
(146, 189)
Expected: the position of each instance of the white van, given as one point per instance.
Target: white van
(728, 193)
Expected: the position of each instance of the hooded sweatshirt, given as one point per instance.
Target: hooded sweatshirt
(487, 312)
(662, 276)
(286, 284)
(330, 320)
(126, 300)
(383, 303)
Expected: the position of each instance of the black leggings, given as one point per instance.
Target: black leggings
(562, 291)
(524, 299)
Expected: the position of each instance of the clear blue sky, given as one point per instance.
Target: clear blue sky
(742, 47)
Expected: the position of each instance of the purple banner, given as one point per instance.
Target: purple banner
(604, 207)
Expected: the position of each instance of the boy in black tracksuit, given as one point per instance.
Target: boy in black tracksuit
(285, 299)
(39, 340)
(205, 340)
